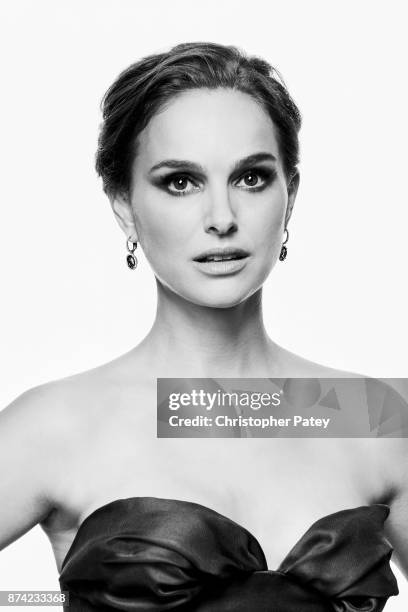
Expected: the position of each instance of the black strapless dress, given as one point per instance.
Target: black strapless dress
(148, 554)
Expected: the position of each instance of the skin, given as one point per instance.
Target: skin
(219, 209)
(213, 211)
(98, 428)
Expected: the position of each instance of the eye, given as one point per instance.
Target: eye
(179, 184)
(256, 179)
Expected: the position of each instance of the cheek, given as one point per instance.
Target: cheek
(266, 225)
(159, 231)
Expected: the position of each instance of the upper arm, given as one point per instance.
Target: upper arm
(28, 459)
(397, 529)
(391, 463)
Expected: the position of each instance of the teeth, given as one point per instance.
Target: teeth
(220, 257)
(230, 257)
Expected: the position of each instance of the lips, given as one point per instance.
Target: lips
(226, 254)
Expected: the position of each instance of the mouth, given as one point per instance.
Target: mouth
(227, 254)
(222, 262)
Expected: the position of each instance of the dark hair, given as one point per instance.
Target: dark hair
(141, 91)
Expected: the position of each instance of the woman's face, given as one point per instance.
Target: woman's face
(208, 176)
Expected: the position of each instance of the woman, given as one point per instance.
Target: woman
(198, 154)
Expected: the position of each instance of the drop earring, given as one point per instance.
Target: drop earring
(131, 259)
(284, 250)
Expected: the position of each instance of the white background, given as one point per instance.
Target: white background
(69, 302)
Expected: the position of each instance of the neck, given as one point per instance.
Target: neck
(188, 340)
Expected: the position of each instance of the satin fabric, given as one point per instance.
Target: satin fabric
(147, 554)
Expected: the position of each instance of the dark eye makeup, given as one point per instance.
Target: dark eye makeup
(253, 180)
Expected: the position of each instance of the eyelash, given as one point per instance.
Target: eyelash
(267, 175)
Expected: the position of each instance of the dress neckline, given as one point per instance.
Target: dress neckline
(91, 516)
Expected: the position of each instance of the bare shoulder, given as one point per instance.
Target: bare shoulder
(37, 429)
(297, 366)
(57, 412)
(33, 429)
(385, 457)
(45, 435)
(50, 404)
(42, 408)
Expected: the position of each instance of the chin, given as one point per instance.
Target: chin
(221, 292)
(217, 298)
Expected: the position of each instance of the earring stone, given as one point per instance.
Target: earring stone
(131, 259)
(283, 253)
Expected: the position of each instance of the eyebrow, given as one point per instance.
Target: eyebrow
(181, 164)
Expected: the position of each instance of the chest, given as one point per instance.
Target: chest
(275, 488)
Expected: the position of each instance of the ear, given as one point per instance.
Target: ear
(122, 209)
(292, 191)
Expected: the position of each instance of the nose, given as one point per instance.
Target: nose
(219, 216)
